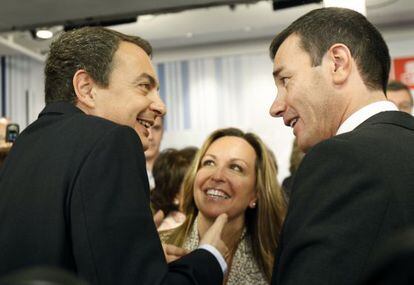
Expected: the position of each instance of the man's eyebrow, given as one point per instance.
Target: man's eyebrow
(277, 71)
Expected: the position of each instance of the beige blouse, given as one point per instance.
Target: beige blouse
(244, 269)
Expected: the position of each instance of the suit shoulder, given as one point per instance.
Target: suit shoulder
(334, 145)
(358, 141)
(96, 126)
(93, 121)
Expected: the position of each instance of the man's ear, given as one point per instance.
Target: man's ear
(83, 84)
(341, 63)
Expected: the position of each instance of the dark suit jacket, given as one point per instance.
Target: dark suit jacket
(74, 194)
(350, 193)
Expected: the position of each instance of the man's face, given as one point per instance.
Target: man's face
(305, 98)
(155, 137)
(401, 98)
(132, 97)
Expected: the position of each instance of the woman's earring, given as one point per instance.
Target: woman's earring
(253, 205)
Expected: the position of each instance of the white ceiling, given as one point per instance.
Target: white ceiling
(221, 24)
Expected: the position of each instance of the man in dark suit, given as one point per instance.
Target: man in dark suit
(74, 190)
(354, 188)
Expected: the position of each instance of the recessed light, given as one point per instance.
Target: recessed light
(44, 34)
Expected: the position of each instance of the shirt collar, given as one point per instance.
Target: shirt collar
(365, 113)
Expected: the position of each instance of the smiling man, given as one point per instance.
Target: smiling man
(353, 189)
(74, 190)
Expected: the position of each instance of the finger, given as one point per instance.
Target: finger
(174, 250)
(158, 218)
(219, 224)
(171, 258)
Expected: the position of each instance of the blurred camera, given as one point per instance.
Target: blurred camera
(12, 131)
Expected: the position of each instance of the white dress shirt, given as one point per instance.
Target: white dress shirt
(364, 114)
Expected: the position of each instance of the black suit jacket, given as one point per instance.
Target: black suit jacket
(350, 193)
(74, 194)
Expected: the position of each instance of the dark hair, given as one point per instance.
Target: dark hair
(321, 28)
(169, 170)
(88, 48)
(395, 85)
(189, 153)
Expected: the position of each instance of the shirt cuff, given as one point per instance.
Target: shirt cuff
(217, 255)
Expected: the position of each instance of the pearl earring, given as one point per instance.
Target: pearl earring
(253, 205)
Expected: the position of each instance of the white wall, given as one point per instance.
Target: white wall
(24, 74)
(278, 137)
(243, 102)
(24, 89)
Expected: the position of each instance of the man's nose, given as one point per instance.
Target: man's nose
(157, 105)
(278, 107)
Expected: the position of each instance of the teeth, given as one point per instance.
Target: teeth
(217, 194)
(144, 123)
(293, 122)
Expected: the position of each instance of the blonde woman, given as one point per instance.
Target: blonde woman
(233, 173)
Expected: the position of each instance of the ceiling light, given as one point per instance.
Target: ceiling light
(44, 34)
(357, 5)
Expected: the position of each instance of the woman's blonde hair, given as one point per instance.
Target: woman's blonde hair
(263, 222)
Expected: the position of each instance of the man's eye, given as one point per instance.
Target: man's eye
(145, 86)
(285, 81)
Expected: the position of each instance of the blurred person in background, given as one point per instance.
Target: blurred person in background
(169, 170)
(155, 136)
(295, 159)
(400, 95)
(4, 146)
(189, 152)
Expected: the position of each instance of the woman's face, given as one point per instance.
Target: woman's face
(225, 181)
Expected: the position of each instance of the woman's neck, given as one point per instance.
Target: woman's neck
(231, 233)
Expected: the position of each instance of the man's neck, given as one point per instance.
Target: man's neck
(361, 100)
